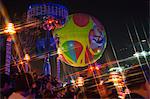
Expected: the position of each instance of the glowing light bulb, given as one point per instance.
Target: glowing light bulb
(96, 68)
(91, 68)
(10, 28)
(21, 62)
(59, 51)
(80, 81)
(27, 57)
(137, 54)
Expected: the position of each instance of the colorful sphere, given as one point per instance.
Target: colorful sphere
(81, 41)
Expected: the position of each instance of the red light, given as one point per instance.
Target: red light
(50, 21)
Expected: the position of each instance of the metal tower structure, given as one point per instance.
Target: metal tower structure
(50, 17)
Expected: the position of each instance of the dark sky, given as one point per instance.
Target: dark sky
(113, 14)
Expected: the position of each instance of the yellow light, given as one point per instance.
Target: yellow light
(59, 51)
(91, 68)
(10, 29)
(116, 84)
(98, 51)
(27, 57)
(80, 81)
(96, 68)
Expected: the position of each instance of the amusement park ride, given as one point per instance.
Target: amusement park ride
(46, 17)
(81, 42)
(78, 40)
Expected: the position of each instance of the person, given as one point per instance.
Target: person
(70, 92)
(22, 88)
(36, 90)
(35, 76)
(138, 83)
(5, 86)
(49, 92)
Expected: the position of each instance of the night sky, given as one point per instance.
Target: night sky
(113, 14)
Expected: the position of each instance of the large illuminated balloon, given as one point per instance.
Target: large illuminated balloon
(81, 41)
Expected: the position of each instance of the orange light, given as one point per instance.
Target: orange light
(27, 57)
(80, 81)
(91, 68)
(10, 28)
(21, 62)
(97, 68)
(49, 21)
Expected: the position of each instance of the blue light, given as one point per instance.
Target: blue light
(30, 7)
(49, 4)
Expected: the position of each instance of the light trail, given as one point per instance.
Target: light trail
(148, 41)
(118, 64)
(107, 80)
(130, 36)
(137, 35)
(4, 14)
(19, 27)
(3, 11)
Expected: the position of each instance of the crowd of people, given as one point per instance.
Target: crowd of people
(27, 86)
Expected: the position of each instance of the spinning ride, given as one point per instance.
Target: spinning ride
(37, 40)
